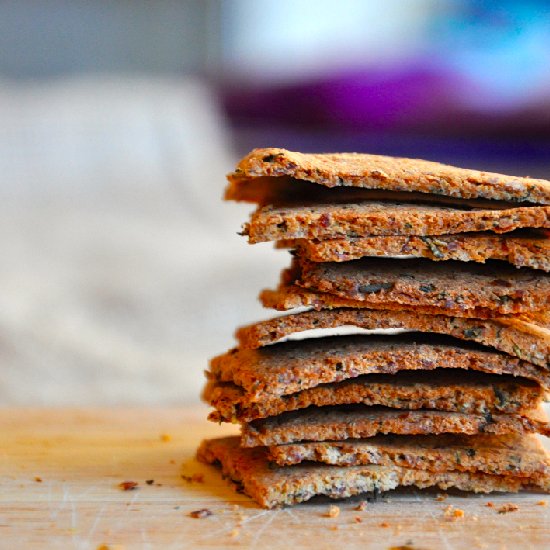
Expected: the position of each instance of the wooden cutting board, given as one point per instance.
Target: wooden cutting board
(60, 472)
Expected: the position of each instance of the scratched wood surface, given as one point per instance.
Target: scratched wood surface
(60, 470)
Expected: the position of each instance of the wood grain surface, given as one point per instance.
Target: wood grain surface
(60, 472)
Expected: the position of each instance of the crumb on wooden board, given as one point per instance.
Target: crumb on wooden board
(333, 511)
(200, 514)
(508, 507)
(128, 485)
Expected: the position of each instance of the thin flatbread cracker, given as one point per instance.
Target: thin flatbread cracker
(272, 486)
(381, 172)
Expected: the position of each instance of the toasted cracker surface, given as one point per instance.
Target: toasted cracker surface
(452, 286)
(442, 389)
(289, 367)
(491, 454)
(276, 486)
(357, 421)
(367, 218)
(529, 250)
(289, 296)
(524, 337)
(382, 172)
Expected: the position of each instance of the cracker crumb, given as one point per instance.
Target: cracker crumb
(361, 507)
(508, 507)
(490, 505)
(542, 503)
(165, 437)
(194, 478)
(384, 524)
(333, 511)
(234, 533)
(441, 497)
(38, 479)
(128, 485)
(334, 527)
(452, 513)
(358, 519)
(202, 513)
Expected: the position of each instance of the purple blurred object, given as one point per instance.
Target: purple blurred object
(421, 97)
(404, 98)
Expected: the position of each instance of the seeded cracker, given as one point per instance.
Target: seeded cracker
(329, 221)
(523, 337)
(289, 367)
(442, 389)
(521, 249)
(381, 172)
(452, 286)
(501, 455)
(356, 422)
(272, 487)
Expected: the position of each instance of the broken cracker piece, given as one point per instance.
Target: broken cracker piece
(272, 486)
(364, 171)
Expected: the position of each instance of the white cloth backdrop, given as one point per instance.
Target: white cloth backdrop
(121, 271)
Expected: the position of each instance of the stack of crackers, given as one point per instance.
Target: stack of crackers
(455, 262)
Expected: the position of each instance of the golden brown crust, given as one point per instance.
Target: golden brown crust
(381, 172)
(521, 251)
(289, 367)
(361, 219)
(455, 287)
(357, 422)
(490, 454)
(446, 390)
(288, 296)
(526, 338)
(282, 190)
(273, 486)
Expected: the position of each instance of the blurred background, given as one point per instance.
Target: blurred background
(121, 271)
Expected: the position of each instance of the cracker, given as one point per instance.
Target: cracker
(490, 454)
(368, 218)
(381, 172)
(451, 286)
(284, 190)
(289, 367)
(447, 390)
(528, 250)
(288, 296)
(357, 422)
(526, 338)
(276, 486)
